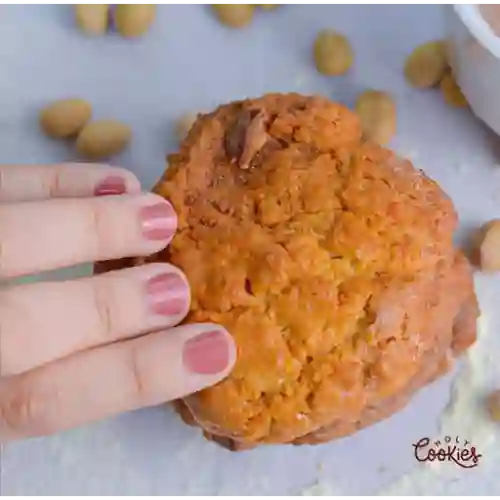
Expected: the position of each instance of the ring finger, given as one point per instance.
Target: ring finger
(42, 322)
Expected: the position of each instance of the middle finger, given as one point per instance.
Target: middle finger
(42, 322)
(46, 235)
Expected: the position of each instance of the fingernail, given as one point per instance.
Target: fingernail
(168, 294)
(158, 221)
(110, 186)
(206, 354)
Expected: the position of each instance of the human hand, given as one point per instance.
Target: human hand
(77, 351)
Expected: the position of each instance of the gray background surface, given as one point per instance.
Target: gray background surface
(190, 62)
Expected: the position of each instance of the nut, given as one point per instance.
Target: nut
(332, 53)
(487, 246)
(426, 66)
(134, 20)
(102, 139)
(451, 92)
(183, 125)
(269, 4)
(65, 118)
(234, 16)
(245, 137)
(377, 112)
(92, 19)
(493, 405)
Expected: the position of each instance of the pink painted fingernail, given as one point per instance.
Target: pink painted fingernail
(112, 185)
(206, 354)
(158, 222)
(168, 294)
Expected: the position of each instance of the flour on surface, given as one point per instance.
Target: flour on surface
(320, 488)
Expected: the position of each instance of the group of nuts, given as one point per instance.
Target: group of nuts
(130, 21)
(98, 139)
(95, 140)
(333, 56)
(237, 16)
(428, 66)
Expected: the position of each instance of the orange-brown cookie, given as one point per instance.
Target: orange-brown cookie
(329, 259)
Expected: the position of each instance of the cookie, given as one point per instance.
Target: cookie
(327, 257)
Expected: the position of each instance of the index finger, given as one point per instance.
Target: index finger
(46, 235)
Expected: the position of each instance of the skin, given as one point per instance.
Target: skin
(78, 351)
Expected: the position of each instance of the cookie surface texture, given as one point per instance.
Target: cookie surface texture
(329, 259)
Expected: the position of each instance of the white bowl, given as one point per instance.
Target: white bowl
(475, 60)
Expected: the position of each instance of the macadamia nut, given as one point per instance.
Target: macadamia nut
(65, 117)
(493, 405)
(133, 21)
(451, 92)
(234, 16)
(102, 139)
(332, 52)
(487, 246)
(269, 4)
(377, 112)
(92, 19)
(426, 66)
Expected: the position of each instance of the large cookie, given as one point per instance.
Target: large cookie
(329, 259)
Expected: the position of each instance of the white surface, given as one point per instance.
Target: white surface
(476, 61)
(190, 62)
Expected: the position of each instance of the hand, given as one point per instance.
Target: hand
(76, 351)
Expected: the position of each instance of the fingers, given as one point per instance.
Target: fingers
(40, 236)
(109, 380)
(39, 182)
(43, 322)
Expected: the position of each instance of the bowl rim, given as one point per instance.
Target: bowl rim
(473, 20)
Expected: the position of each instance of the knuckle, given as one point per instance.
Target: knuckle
(3, 246)
(3, 266)
(23, 410)
(4, 368)
(107, 227)
(54, 181)
(102, 293)
(98, 228)
(3, 190)
(140, 380)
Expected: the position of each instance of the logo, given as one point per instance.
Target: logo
(451, 450)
